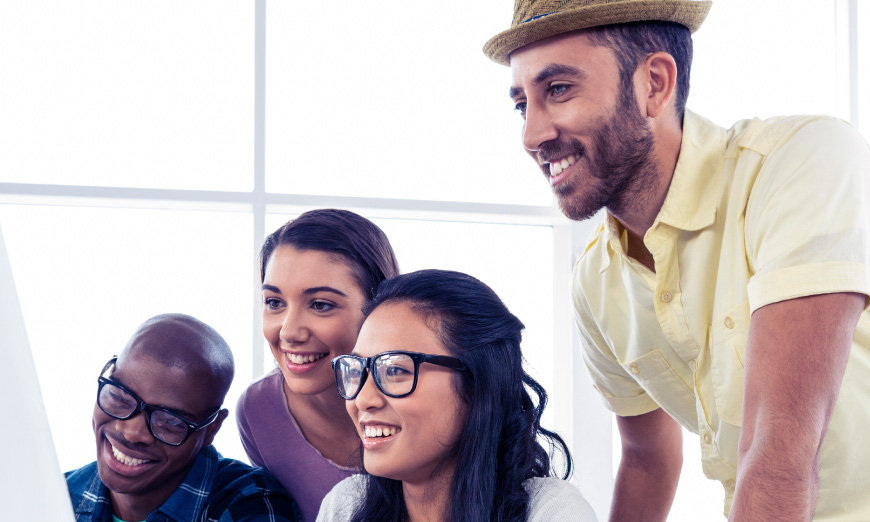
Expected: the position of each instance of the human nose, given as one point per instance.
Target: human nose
(369, 397)
(538, 128)
(293, 327)
(135, 429)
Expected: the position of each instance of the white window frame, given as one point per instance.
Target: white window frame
(579, 416)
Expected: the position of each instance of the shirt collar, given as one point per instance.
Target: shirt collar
(190, 497)
(694, 192)
(89, 495)
(615, 240)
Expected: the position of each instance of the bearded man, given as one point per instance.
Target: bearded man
(726, 288)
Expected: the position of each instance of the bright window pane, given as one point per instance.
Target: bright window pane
(522, 277)
(765, 59)
(864, 68)
(156, 94)
(87, 277)
(391, 99)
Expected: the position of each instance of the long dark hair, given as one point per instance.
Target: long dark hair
(498, 449)
(353, 238)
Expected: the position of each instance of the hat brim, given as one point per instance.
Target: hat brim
(690, 13)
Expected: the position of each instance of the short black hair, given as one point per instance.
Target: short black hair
(633, 42)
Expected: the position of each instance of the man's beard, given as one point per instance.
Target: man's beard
(621, 164)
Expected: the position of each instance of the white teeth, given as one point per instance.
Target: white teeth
(557, 167)
(302, 359)
(124, 459)
(372, 432)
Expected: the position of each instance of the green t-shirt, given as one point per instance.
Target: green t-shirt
(116, 519)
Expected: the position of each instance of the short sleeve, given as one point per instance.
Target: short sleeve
(619, 392)
(807, 216)
(555, 499)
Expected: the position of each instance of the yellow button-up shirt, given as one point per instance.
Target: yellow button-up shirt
(763, 212)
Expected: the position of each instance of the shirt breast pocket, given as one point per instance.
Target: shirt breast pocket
(728, 352)
(665, 386)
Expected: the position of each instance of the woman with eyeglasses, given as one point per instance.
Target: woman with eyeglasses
(437, 392)
(317, 271)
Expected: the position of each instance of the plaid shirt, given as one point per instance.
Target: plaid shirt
(215, 489)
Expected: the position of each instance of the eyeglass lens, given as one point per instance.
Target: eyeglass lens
(394, 374)
(164, 425)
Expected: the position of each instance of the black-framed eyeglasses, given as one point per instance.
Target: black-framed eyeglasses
(120, 403)
(395, 372)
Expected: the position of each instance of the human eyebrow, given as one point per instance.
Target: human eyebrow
(555, 69)
(317, 289)
(271, 288)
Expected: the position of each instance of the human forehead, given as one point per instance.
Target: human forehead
(176, 388)
(397, 326)
(574, 54)
(289, 265)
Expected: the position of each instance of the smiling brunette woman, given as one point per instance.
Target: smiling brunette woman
(437, 391)
(317, 271)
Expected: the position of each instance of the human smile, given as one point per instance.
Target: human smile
(303, 358)
(124, 459)
(558, 166)
(373, 432)
(299, 363)
(122, 464)
(377, 435)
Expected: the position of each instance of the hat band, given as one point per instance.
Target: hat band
(539, 16)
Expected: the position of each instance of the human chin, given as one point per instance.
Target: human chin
(580, 201)
(123, 470)
(313, 382)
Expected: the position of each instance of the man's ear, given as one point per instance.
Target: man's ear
(658, 81)
(212, 429)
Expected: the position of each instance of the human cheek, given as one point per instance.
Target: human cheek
(272, 327)
(345, 337)
(353, 413)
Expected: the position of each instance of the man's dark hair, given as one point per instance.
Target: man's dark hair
(633, 42)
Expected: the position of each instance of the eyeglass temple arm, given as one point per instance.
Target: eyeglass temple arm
(448, 362)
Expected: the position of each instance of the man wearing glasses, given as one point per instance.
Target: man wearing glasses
(726, 288)
(158, 410)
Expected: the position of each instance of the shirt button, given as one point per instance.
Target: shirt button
(634, 369)
(693, 364)
(729, 323)
(729, 484)
(708, 438)
(666, 297)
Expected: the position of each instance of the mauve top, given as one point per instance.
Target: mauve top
(273, 440)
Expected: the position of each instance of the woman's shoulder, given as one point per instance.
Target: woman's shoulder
(340, 503)
(266, 388)
(551, 498)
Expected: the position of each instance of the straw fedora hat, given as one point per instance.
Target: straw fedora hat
(538, 19)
